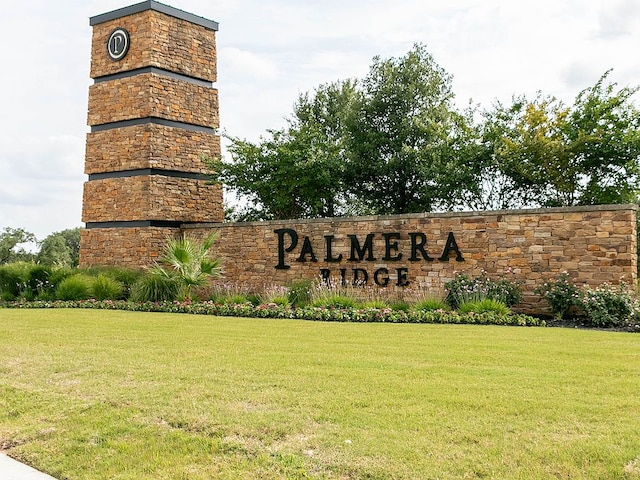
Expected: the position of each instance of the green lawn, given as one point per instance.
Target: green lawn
(90, 394)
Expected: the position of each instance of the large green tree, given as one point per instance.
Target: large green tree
(393, 142)
(407, 143)
(60, 248)
(297, 171)
(12, 241)
(544, 153)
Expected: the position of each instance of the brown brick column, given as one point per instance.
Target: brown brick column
(153, 112)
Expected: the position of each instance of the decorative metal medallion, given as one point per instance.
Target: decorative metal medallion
(118, 44)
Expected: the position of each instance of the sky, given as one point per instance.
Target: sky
(269, 52)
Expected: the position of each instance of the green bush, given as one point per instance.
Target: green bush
(153, 287)
(400, 305)
(39, 284)
(75, 287)
(335, 301)
(428, 304)
(561, 295)
(107, 288)
(274, 294)
(609, 306)
(377, 303)
(300, 292)
(24, 280)
(59, 274)
(10, 282)
(484, 305)
(462, 288)
(125, 276)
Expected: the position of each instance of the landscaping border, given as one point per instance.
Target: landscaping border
(364, 315)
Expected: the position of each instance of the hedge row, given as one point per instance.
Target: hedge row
(303, 313)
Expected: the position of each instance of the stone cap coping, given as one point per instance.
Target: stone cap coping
(476, 213)
(158, 7)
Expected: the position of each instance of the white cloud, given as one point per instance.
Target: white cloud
(246, 66)
(618, 18)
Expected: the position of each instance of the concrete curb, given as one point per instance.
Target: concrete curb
(11, 469)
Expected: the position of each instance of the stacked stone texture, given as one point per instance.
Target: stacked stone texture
(172, 45)
(149, 146)
(151, 197)
(158, 40)
(132, 247)
(152, 95)
(593, 244)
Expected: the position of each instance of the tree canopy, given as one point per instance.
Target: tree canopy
(60, 248)
(550, 154)
(297, 171)
(394, 142)
(404, 135)
(12, 241)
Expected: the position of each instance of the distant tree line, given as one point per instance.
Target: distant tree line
(58, 249)
(393, 142)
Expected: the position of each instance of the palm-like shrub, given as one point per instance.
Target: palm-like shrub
(189, 262)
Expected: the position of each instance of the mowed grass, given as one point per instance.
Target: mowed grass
(119, 395)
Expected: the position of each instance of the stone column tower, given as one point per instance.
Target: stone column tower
(153, 112)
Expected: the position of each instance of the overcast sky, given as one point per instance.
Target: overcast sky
(271, 51)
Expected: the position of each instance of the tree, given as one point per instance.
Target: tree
(11, 240)
(54, 251)
(294, 172)
(60, 248)
(544, 153)
(405, 138)
(394, 143)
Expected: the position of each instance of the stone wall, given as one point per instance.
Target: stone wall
(149, 146)
(132, 247)
(593, 244)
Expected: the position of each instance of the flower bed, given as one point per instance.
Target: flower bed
(303, 313)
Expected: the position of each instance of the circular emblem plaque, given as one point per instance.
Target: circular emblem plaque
(118, 44)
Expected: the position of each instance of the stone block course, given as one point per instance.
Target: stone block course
(152, 95)
(157, 40)
(166, 74)
(134, 247)
(154, 197)
(149, 146)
